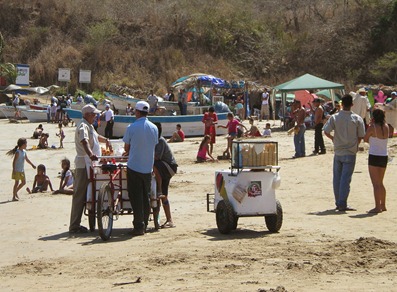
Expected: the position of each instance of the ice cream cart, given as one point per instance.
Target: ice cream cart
(247, 189)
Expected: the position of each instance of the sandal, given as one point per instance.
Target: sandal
(168, 225)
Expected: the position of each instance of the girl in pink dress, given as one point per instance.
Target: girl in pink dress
(232, 131)
(204, 150)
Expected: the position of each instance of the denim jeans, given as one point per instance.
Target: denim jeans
(343, 171)
(299, 142)
(138, 185)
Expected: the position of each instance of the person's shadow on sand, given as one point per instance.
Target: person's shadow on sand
(326, 212)
(9, 201)
(335, 212)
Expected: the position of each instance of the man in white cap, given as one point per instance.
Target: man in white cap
(140, 139)
(361, 104)
(109, 118)
(88, 149)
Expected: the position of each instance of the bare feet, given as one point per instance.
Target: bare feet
(28, 190)
(15, 199)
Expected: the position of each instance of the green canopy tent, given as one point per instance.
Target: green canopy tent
(305, 82)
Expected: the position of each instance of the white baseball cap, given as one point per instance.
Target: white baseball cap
(142, 106)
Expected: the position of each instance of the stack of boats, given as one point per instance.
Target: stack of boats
(191, 123)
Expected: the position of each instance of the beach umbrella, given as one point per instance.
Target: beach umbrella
(39, 89)
(51, 87)
(181, 82)
(12, 87)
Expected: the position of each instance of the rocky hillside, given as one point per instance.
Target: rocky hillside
(148, 44)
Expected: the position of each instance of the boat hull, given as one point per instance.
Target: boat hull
(9, 111)
(120, 103)
(191, 124)
(35, 116)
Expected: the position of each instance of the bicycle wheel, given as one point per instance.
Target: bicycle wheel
(105, 212)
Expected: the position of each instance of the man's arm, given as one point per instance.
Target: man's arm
(329, 136)
(126, 149)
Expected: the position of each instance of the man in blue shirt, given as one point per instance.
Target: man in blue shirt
(140, 139)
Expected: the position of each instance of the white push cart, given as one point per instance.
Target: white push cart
(248, 188)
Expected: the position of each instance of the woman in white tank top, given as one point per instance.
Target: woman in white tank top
(377, 136)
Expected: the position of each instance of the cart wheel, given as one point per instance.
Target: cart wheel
(105, 212)
(274, 222)
(225, 217)
(91, 220)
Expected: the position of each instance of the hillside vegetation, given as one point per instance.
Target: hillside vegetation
(148, 44)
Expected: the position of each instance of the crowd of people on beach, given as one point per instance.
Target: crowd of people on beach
(351, 121)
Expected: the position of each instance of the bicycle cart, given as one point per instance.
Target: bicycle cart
(247, 189)
(107, 194)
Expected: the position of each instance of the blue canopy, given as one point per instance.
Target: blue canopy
(205, 80)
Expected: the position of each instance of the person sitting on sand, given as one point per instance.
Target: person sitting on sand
(43, 142)
(41, 181)
(268, 131)
(66, 184)
(178, 135)
(253, 131)
(203, 154)
(38, 131)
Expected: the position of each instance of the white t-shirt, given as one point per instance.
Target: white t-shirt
(69, 178)
(152, 100)
(108, 115)
(265, 98)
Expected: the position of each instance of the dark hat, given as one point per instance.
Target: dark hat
(317, 100)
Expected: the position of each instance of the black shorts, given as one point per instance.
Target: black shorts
(376, 160)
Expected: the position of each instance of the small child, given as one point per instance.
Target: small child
(18, 166)
(43, 142)
(178, 135)
(41, 181)
(253, 131)
(37, 132)
(204, 150)
(61, 135)
(232, 131)
(268, 131)
(66, 184)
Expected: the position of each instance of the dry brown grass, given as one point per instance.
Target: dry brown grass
(149, 44)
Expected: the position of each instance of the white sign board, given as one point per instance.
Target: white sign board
(23, 75)
(85, 76)
(64, 74)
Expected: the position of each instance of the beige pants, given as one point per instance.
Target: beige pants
(265, 111)
(81, 182)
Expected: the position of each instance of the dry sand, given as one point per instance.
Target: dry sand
(315, 250)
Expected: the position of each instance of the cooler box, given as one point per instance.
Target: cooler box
(249, 192)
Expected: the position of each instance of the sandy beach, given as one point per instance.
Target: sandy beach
(317, 249)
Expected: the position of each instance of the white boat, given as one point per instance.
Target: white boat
(120, 103)
(35, 116)
(9, 111)
(192, 125)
